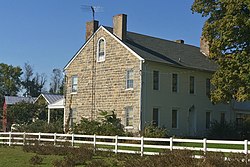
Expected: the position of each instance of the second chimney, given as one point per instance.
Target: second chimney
(120, 26)
(204, 46)
(91, 27)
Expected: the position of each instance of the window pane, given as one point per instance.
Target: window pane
(101, 50)
(208, 87)
(155, 116)
(191, 86)
(174, 118)
(129, 80)
(174, 82)
(129, 116)
(74, 84)
(222, 118)
(156, 80)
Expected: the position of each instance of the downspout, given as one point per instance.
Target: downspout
(141, 95)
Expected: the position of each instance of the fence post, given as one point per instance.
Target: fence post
(94, 142)
(72, 140)
(54, 139)
(171, 143)
(246, 146)
(39, 138)
(9, 138)
(24, 138)
(116, 144)
(142, 145)
(205, 145)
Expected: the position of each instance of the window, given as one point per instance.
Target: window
(191, 84)
(129, 116)
(73, 115)
(101, 50)
(155, 117)
(74, 84)
(222, 118)
(208, 120)
(174, 118)
(155, 80)
(129, 79)
(208, 87)
(174, 83)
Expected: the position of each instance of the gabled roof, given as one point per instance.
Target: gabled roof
(169, 52)
(9, 100)
(160, 50)
(50, 98)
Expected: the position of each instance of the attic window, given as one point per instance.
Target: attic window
(101, 50)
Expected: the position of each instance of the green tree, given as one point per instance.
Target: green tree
(56, 84)
(227, 31)
(32, 85)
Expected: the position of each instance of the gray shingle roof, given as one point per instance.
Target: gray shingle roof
(14, 99)
(51, 98)
(169, 52)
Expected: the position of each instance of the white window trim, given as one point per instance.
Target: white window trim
(127, 89)
(97, 53)
(129, 126)
(75, 92)
(190, 84)
(177, 115)
(159, 80)
(178, 81)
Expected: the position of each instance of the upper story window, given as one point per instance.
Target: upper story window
(191, 84)
(129, 79)
(101, 50)
(74, 84)
(155, 80)
(174, 82)
(208, 87)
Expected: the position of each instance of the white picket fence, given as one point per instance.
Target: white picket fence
(121, 144)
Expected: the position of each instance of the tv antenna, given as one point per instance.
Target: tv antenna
(93, 9)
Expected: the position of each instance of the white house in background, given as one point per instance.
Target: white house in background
(143, 79)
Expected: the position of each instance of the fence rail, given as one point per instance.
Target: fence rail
(121, 144)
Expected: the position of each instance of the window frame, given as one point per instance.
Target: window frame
(129, 81)
(176, 84)
(155, 122)
(175, 123)
(156, 80)
(128, 117)
(73, 85)
(208, 87)
(102, 57)
(191, 85)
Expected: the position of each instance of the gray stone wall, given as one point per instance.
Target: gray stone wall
(109, 81)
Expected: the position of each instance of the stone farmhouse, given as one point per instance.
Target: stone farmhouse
(143, 79)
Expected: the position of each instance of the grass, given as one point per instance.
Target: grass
(14, 156)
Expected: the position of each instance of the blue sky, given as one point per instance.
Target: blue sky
(47, 33)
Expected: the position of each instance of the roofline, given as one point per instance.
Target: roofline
(43, 97)
(112, 35)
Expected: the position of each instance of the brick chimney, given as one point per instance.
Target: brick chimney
(179, 41)
(204, 46)
(120, 26)
(91, 27)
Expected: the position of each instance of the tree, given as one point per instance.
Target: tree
(33, 85)
(9, 79)
(227, 31)
(56, 84)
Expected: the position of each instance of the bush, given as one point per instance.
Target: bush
(151, 130)
(108, 125)
(41, 126)
(222, 131)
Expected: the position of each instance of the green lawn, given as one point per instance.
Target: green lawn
(14, 156)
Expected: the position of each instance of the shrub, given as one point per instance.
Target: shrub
(36, 160)
(151, 130)
(222, 131)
